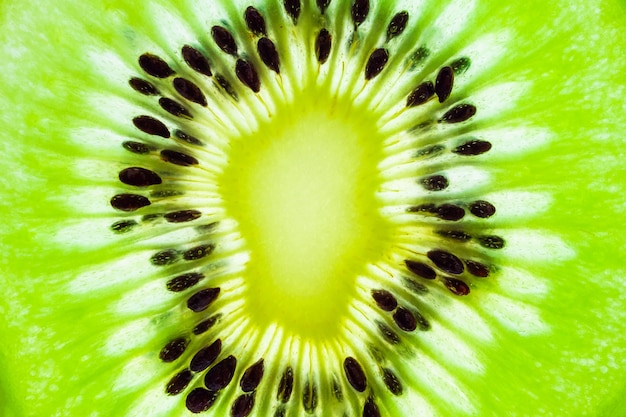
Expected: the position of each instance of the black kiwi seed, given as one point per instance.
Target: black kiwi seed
(205, 356)
(459, 113)
(482, 209)
(182, 216)
(247, 75)
(397, 25)
(450, 212)
(370, 409)
(473, 147)
(187, 138)
(435, 183)
(143, 86)
(385, 300)
(323, 44)
(179, 382)
(446, 261)
(421, 94)
(201, 300)
(173, 349)
(309, 397)
(223, 82)
(252, 376)
(198, 252)
(196, 60)
(285, 387)
(200, 400)
(392, 382)
(155, 66)
(459, 66)
(455, 234)
(178, 158)
(376, 63)
(139, 177)
(444, 83)
(323, 5)
(205, 325)
(491, 242)
(389, 335)
(166, 257)
(221, 374)
(123, 226)
(405, 319)
(137, 147)
(430, 150)
(255, 21)
(359, 11)
(189, 90)
(174, 108)
(242, 407)
(151, 126)
(476, 268)
(184, 281)
(129, 202)
(224, 40)
(269, 55)
(420, 269)
(292, 7)
(355, 374)
(456, 286)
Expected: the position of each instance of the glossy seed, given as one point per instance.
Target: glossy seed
(420, 269)
(205, 356)
(166, 257)
(397, 25)
(205, 325)
(285, 387)
(459, 114)
(255, 21)
(456, 286)
(450, 212)
(174, 108)
(405, 319)
(446, 261)
(224, 40)
(309, 397)
(482, 209)
(269, 55)
(173, 349)
(129, 202)
(247, 75)
(370, 409)
(435, 183)
(182, 216)
(189, 90)
(139, 177)
(323, 43)
(473, 147)
(491, 242)
(359, 11)
(179, 382)
(421, 94)
(459, 66)
(178, 158)
(123, 226)
(323, 5)
(198, 252)
(419, 56)
(143, 87)
(192, 140)
(385, 300)
(455, 234)
(155, 66)
(151, 126)
(242, 407)
(389, 335)
(252, 376)
(201, 300)
(221, 374)
(200, 400)
(476, 268)
(392, 382)
(355, 374)
(137, 147)
(376, 63)
(444, 83)
(225, 85)
(292, 7)
(196, 60)
(184, 281)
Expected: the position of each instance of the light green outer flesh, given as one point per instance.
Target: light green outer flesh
(579, 94)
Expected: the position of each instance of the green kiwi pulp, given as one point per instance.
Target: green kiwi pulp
(330, 208)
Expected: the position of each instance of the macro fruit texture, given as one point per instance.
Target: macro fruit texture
(328, 208)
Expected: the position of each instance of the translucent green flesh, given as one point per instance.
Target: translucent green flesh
(556, 344)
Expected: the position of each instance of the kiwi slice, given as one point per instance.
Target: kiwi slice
(312, 208)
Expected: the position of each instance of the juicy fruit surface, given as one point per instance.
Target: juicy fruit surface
(85, 317)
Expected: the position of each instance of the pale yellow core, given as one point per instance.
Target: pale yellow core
(303, 189)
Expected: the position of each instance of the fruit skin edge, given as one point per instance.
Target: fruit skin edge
(18, 255)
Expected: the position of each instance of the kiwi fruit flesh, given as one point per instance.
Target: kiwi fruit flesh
(312, 208)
